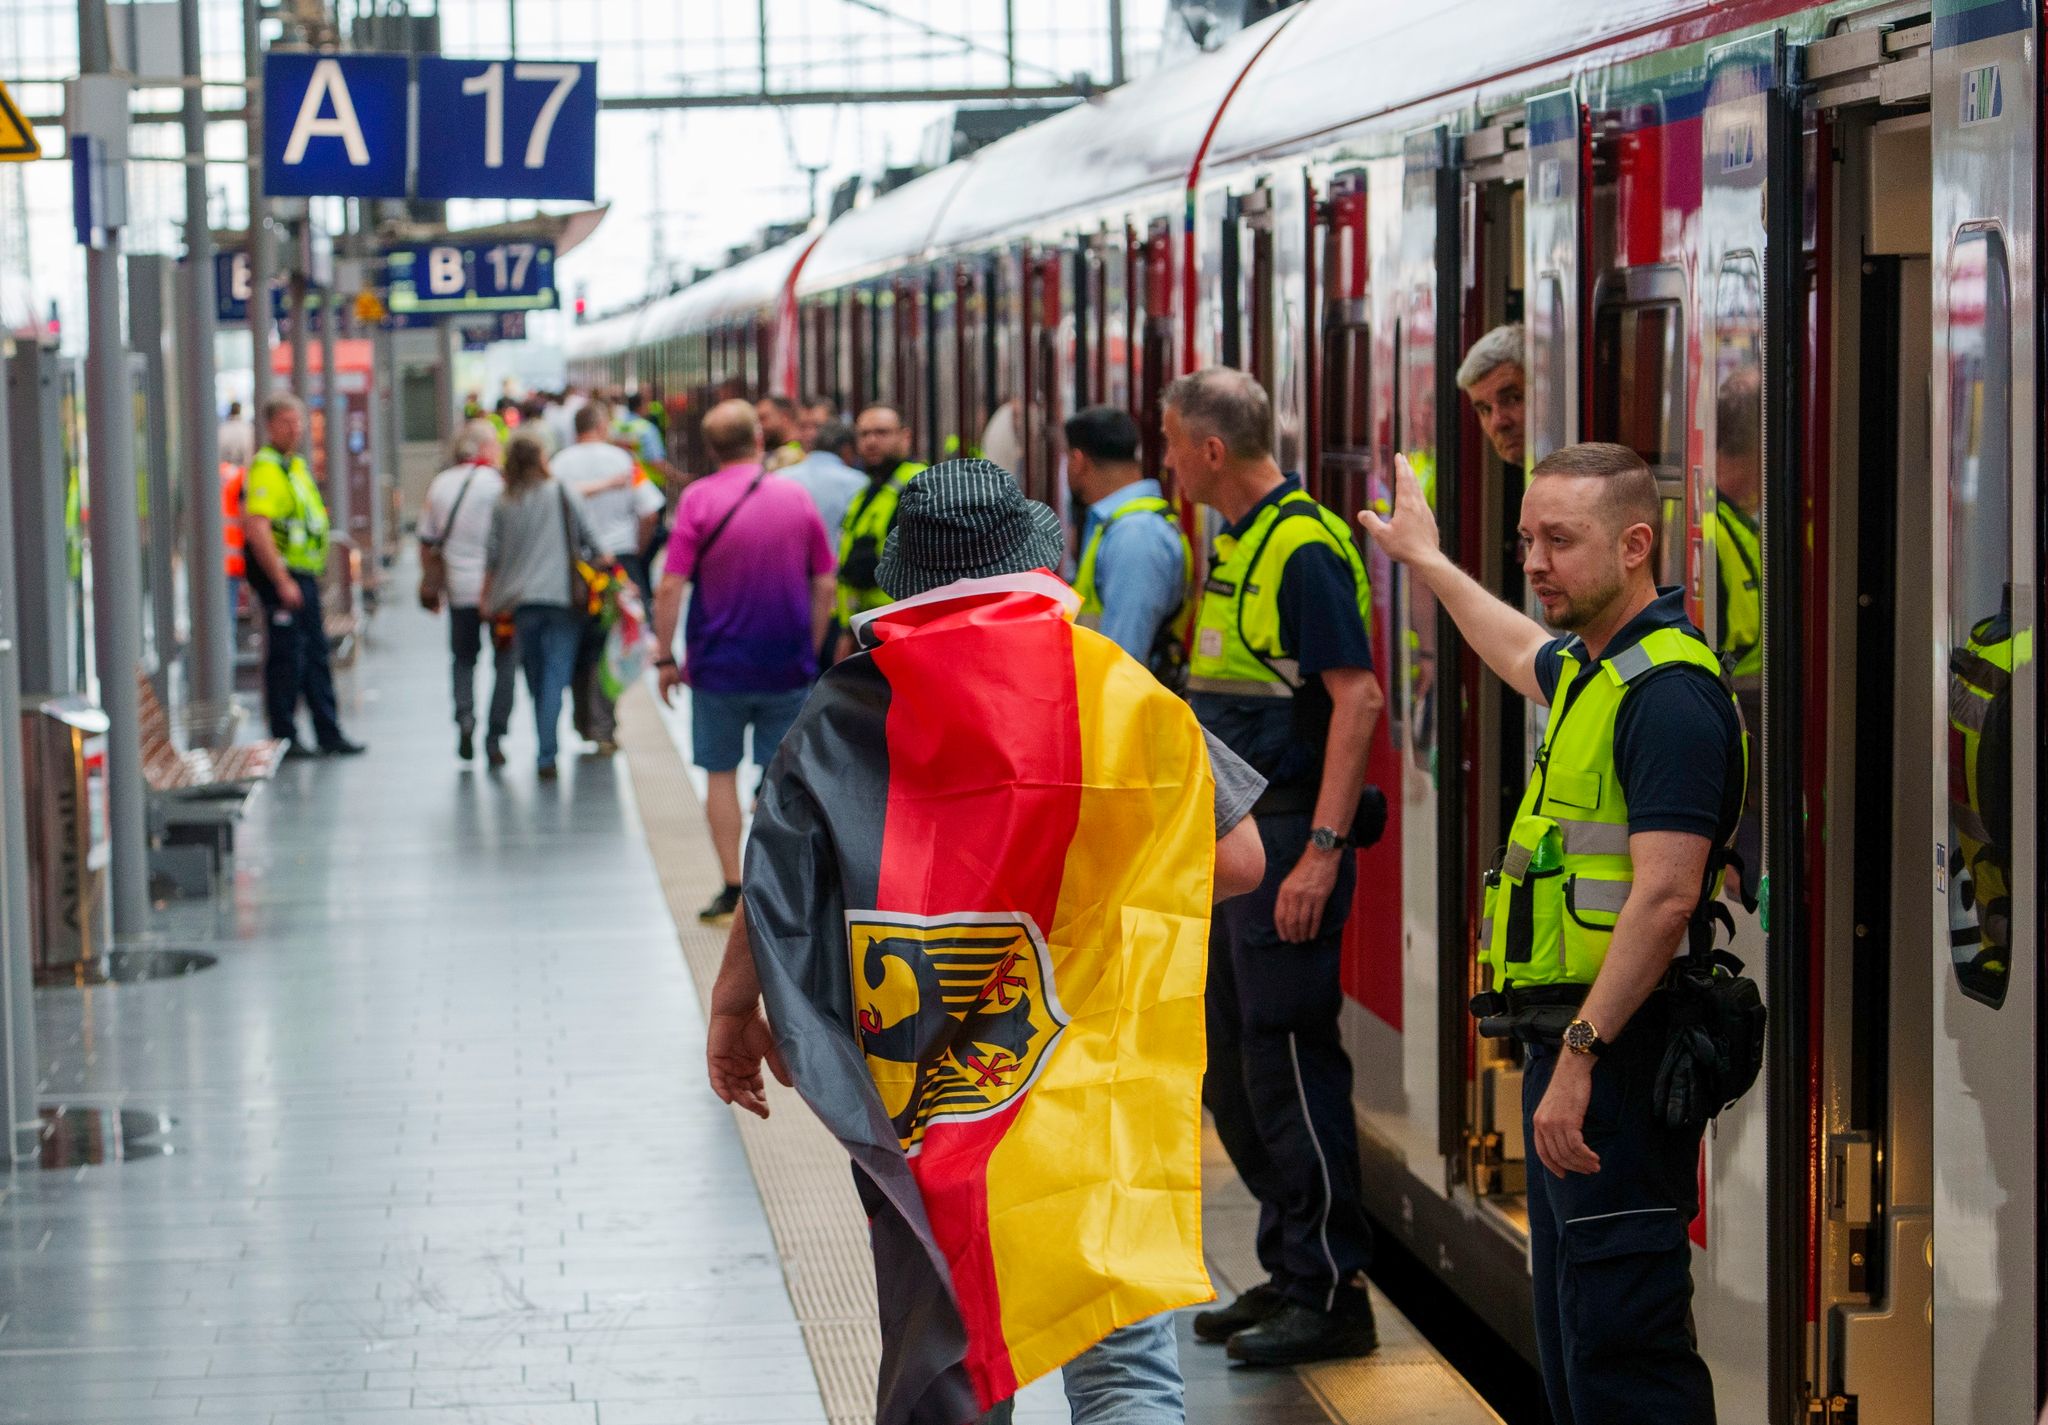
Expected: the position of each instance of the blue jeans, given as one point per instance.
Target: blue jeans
(1130, 1377)
(549, 635)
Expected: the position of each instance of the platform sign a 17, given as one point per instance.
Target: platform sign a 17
(505, 128)
(334, 125)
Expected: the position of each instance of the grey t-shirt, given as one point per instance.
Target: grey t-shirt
(1237, 785)
(527, 558)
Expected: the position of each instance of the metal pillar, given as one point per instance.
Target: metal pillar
(302, 267)
(450, 414)
(17, 986)
(334, 405)
(212, 665)
(115, 531)
(1116, 42)
(41, 588)
(262, 239)
(151, 324)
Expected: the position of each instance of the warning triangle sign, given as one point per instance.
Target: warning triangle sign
(17, 136)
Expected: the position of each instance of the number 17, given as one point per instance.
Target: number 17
(491, 84)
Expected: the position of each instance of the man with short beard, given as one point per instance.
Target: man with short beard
(1614, 858)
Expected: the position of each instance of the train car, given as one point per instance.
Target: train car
(1786, 252)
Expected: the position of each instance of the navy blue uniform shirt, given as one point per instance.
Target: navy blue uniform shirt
(1677, 741)
(1283, 738)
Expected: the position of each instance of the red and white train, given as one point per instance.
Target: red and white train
(1785, 250)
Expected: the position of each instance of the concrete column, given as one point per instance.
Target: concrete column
(116, 534)
(17, 985)
(445, 345)
(212, 666)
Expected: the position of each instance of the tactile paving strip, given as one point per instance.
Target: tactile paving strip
(806, 1188)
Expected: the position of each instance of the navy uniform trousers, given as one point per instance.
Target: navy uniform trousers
(1279, 1081)
(295, 666)
(1608, 1251)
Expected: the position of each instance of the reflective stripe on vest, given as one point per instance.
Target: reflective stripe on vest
(1738, 563)
(1237, 648)
(1566, 873)
(869, 518)
(301, 535)
(232, 533)
(1084, 576)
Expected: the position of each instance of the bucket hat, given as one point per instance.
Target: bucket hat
(965, 519)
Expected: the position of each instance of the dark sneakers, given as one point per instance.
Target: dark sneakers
(342, 747)
(465, 745)
(1248, 1310)
(720, 910)
(1296, 1335)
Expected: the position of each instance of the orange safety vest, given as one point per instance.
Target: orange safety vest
(231, 517)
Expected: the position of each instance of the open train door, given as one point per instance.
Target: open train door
(1554, 232)
(1751, 319)
(1984, 833)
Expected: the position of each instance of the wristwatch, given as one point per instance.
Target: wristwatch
(1324, 839)
(1582, 1038)
(664, 662)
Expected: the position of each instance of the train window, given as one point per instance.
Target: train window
(1985, 640)
(1548, 353)
(1113, 326)
(1639, 387)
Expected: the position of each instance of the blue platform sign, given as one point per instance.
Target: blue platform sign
(458, 277)
(507, 129)
(335, 125)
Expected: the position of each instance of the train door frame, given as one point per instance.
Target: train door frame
(1496, 741)
(1040, 400)
(935, 303)
(1752, 314)
(1988, 1288)
(1247, 313)
(1872, 1222)
(1339, 452)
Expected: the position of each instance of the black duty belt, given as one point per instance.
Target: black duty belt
(1532, 1013)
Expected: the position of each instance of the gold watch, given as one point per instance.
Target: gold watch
(1582, 1038)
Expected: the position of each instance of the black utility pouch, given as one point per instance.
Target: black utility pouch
(1716, 1048)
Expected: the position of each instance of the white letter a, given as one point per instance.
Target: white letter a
(328, 84)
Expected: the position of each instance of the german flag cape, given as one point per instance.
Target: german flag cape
(978, 892)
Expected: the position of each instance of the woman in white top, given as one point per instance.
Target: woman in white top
(455, 528)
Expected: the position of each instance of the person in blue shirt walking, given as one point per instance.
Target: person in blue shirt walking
(1134, 563)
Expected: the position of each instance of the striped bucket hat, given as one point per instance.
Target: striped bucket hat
(966, 519)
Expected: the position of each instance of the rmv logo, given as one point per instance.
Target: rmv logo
(1983, 95)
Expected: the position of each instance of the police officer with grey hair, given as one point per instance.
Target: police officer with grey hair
(1281, 672)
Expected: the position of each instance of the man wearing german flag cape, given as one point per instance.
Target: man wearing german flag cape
(976, 907)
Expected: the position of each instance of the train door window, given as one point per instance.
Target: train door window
(1344, 415)
(1639, 383)
(1985, 648)
(1156, 359)
(1549, 351)
(1113, 327)
(943, 356)
(1043, 410)
(1247, 284)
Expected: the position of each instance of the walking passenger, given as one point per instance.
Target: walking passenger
(779, 419)
(622, 505)
(284, 530)
(455, 534)
(826, 475)
(538, 533)
(1134, 565)
(1282, 673)
(752, 550)
(1492, 380)
(1634, 795)
(811, 417)
(1052, 813)
(883, 443)
(237, 438)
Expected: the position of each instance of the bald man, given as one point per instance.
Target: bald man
(754, 548)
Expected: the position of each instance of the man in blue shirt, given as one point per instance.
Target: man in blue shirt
(1133, 565)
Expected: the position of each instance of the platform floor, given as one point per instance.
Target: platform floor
(439, 1148)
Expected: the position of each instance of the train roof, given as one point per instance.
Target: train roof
(751, 285)
(602, 337)
(1145, 135)
(1345, 62)
(881, 236)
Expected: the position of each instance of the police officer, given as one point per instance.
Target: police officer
(1134, 565)
(284, 529)
(883, 442)
(1612, 859)
(1281, 673)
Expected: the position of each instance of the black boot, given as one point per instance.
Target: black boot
(1220, 1324)
(1297, 1334)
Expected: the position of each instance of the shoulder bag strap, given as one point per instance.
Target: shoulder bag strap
(453, 510)
(704, 549)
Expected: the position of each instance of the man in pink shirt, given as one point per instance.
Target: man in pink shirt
(755, 556)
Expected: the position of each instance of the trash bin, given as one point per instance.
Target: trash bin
(64, 744)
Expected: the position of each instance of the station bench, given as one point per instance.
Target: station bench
(197, 795)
